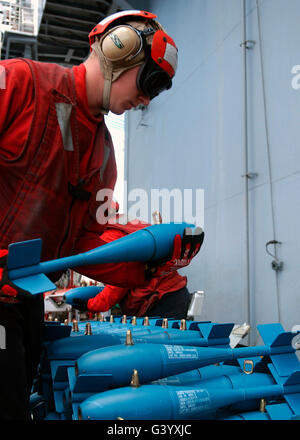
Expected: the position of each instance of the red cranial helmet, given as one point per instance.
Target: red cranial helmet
(131, 38)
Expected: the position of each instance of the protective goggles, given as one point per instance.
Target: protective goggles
(152, 79)
(156, 73)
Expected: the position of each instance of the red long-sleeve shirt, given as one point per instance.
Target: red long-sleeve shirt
(136, 300)
(42, 152)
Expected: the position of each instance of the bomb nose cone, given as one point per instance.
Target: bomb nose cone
(129, 403)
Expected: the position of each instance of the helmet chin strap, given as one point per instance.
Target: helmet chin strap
(107, 76)
(106, 95)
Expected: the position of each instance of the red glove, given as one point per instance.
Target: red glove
(9, 292)
(185, 249)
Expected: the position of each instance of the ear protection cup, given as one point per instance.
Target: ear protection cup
(121, 44)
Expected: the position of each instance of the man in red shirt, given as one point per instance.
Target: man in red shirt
(55, 155)
(166, 295)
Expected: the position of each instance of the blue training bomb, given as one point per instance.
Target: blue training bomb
(149, 244)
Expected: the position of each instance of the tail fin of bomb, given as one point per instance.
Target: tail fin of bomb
(59, 370)
(269, 332)
(282, 354)
(216, 334)
(195, 325)
(285, 367)
(275, 336)
(86, 383)
(293, 379)
(279, 411)
(24, 253)
(28, 253)
(92, 383)
(289, 383)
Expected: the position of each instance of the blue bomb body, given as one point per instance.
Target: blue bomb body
(152, 243)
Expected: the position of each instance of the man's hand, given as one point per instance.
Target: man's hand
(9, 292)
(184, 250)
